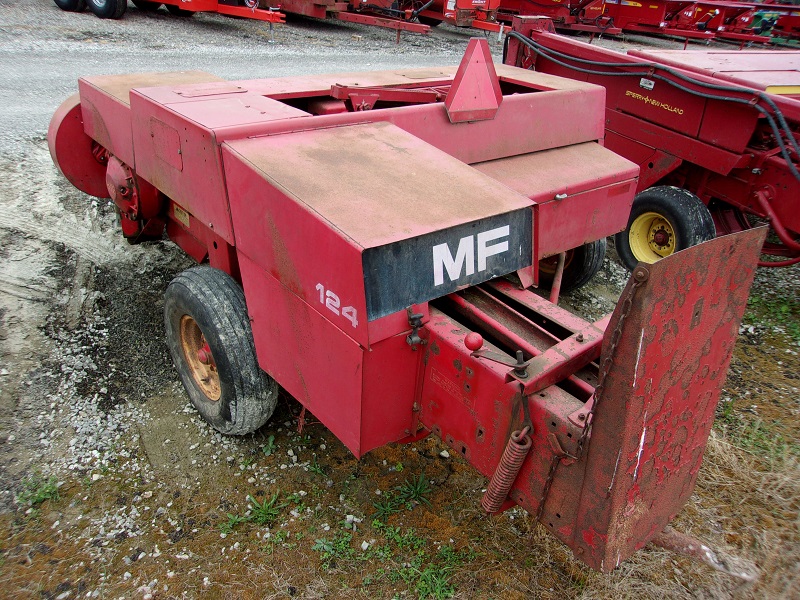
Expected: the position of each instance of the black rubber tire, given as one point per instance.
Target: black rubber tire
(580, 265)
(429, 21)
(176, 11)
(686, 222)
(71, 5)
(247, 395)
(146, 5)
(107, 9)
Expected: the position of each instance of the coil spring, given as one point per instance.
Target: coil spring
(507, 470)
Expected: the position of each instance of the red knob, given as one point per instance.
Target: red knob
(473, 341)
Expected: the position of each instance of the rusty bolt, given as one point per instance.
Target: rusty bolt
(579, 338)
(641, 274)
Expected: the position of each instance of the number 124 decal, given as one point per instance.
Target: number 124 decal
(333, 304)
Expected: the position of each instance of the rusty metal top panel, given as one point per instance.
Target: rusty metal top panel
(235, 109)
(542, 175)
(656, 409)
(777, 72)
(377, 183)
(120, 86)
(287, 87)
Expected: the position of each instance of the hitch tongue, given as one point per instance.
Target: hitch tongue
(680, 543)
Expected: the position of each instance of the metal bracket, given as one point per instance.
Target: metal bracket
(415, 321)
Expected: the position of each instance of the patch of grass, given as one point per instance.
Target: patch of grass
(265, 513)
(776, 311)
(336, 550)
(262, 513)
(36, 489)
(758, 438)
(315, 467)
(233, 522)
(268, 448)
(407, 495)
(434, 582)
(386, 507)
(414, 490)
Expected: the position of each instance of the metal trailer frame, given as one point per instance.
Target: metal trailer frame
(572, 15)
(726, 129)
(381, 225)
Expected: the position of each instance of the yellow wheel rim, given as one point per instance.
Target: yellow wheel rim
(651, 237)
(199, 359)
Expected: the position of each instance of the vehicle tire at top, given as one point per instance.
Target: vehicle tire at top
(71, 5)
(580, 265)
(146, 5)
(664, 220)
(211, 343)
(177, 11)
(107, 9)
(429, 21)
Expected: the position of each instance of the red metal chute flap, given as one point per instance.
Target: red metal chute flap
(669, 343)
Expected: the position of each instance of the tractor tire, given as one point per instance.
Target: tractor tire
(664, 220)
(211, 342)
(176, 11)
(71, 5)
(429, 21)
(108, 9)
(146, 5)
(580, 265)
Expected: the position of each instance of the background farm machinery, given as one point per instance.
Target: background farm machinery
(745, 23)
(714, 133)
(369, 242)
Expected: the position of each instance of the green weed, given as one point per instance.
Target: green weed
(333, 551)
(414, 490)
(269, 447)
(315, 467)
(233, 522)
(36, 489)
(265, 513)
(776, 311)
(410, 493)
(434, 582)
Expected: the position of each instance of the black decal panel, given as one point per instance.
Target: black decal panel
(410, 271)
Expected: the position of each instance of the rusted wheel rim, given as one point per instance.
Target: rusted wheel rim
(199, 359)
(651, 237)
(549, 265)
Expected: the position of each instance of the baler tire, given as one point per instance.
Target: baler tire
(71, 5)
(429, 21)
(146, 5)
(176, 11)
(205, 311)
(580, 266)
(108, 9)
(675, 214)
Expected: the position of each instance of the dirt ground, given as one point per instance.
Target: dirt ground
(112, 486)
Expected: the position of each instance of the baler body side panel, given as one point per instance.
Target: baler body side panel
(305, 353)
(189, 168)
(105, 103)
(573, 205)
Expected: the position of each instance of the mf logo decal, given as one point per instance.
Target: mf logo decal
(434, 264)
(468, 248)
